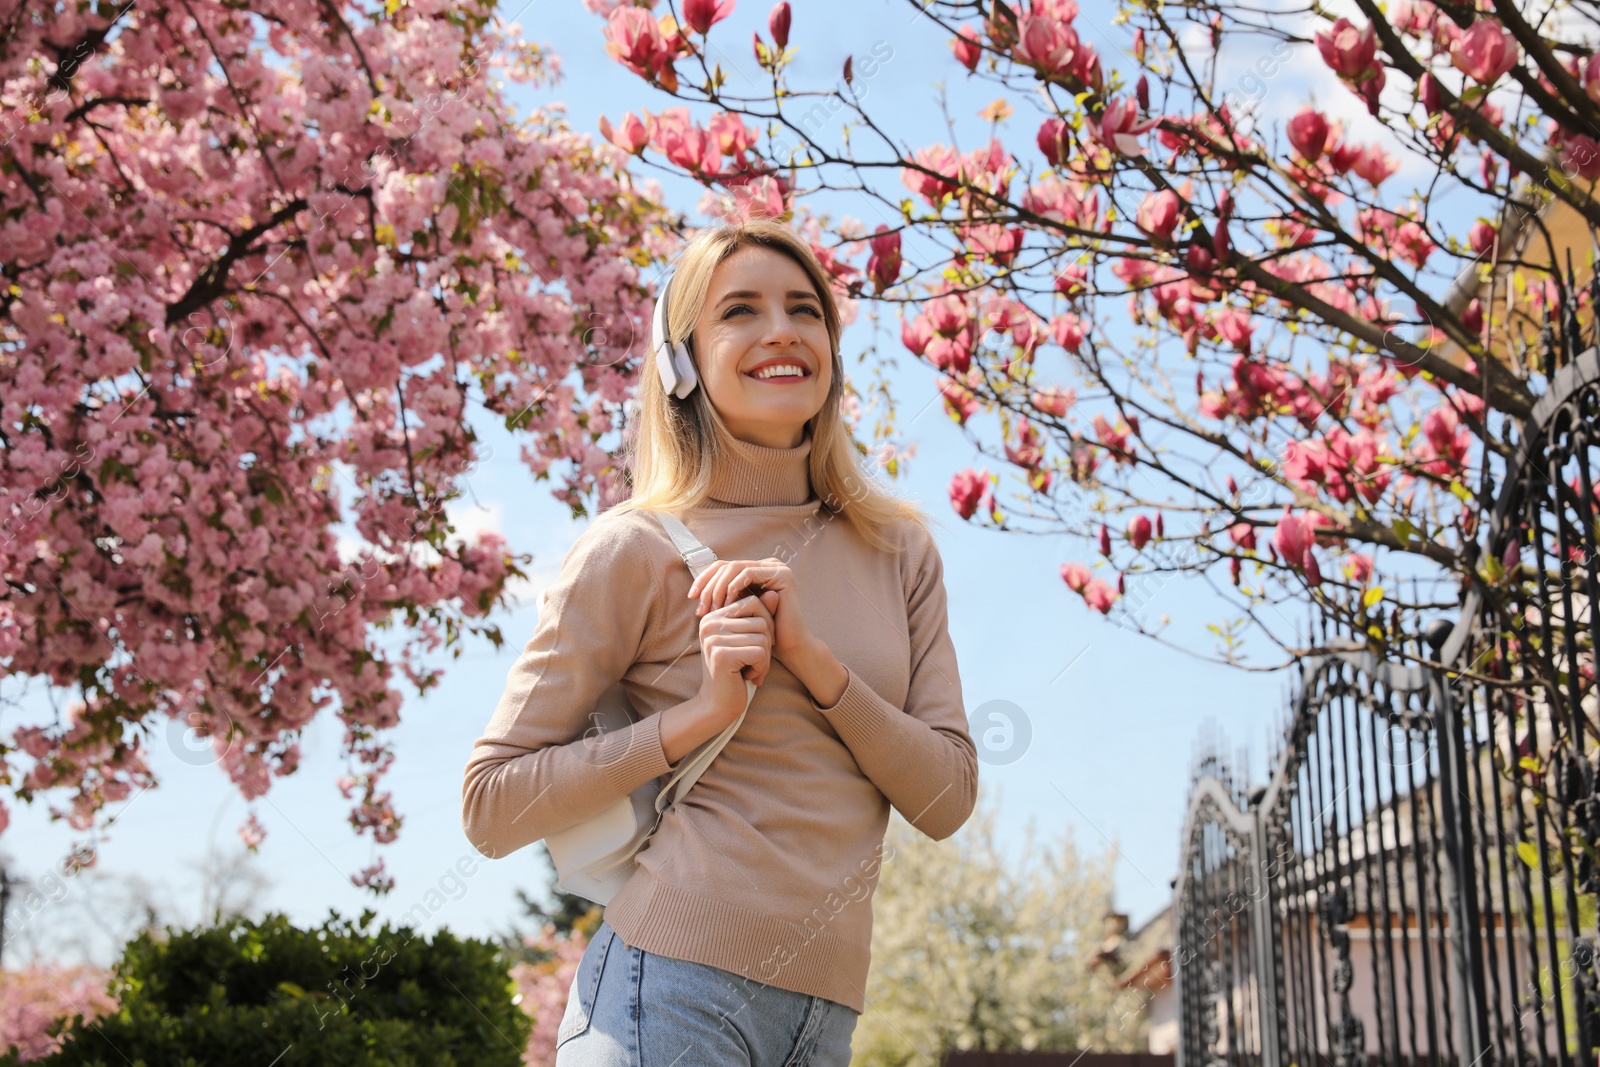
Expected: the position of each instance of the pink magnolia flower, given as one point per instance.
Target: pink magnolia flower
(1244, 535)
(1580, 155)
(1349, 51)
(1158, 215)
(1068, 331)
(777, 22)
(968, 489)
(948, 315)
(1312, 569)
(1485, 51)
(916, 333)
(1358, 567)
(1029, 448)
(942, 160)
(1120, 127)
(1412, 17)
(1430, 94)
(1591, 77)
(1292, 538)
(1374, 164)
(883, 266)
(1352, 54)
(1308, 132)
(1139, 532)
(1054, 400)
(1049, 44)
(684, 143)
(631, 136)
(733, 137)
(1235, 327)
(1482, 237)
(634, 37)
(1064, 201)
(1343, 156)
(1072, 281)
(1304, 462)
(1445, 443)
(1114, 440)
(1052, 140)
(951, 353)
(967, 48)
(1099, 596)
(958, 400)
(701, 15)
(1076, 575)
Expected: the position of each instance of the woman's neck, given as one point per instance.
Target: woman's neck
(749, 475)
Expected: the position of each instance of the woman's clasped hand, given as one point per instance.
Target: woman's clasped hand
(735, 647)
(773, 582)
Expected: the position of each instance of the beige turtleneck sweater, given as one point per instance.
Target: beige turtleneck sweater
(768, 866)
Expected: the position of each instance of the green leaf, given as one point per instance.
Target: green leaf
(1372, 596)
(1404, 531)
(1529, 854)
(1462, 492)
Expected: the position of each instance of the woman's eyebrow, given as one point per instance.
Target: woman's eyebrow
(749, 294)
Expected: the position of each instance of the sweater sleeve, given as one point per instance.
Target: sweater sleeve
(533, 772)
(920, 757)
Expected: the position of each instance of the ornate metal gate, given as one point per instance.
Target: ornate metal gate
(1418, 881)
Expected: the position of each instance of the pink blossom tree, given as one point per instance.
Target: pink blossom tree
(1335, 315)
(35, 997)
(543, 984)
(259, 263)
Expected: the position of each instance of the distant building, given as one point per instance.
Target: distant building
(1141, 966)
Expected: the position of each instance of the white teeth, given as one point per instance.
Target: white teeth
(773, 372)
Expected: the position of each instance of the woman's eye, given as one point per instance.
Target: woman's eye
(801, 307)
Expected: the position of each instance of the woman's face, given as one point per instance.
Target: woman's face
(762, 314)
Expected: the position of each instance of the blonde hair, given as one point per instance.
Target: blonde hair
(673, 445)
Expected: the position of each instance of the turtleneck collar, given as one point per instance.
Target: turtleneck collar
(752, 475)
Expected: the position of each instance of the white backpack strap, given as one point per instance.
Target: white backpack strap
(698, 557)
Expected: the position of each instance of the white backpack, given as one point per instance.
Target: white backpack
(594, 859)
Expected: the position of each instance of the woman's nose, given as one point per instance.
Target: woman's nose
(780, 329)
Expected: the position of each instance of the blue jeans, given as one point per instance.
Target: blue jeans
(632, 1008)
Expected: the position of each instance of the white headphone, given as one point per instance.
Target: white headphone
(672, 360)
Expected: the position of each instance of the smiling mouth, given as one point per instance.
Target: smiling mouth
(802, 376)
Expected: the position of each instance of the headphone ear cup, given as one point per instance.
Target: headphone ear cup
(661, 356)
(672, 360)
(688, 378)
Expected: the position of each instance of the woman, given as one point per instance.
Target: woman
(743, 936)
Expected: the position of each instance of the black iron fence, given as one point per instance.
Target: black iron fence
(1418, 881)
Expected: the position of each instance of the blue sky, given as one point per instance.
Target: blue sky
(1114, 717)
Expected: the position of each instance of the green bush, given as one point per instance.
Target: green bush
(244, 993)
